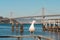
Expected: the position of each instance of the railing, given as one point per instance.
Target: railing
(36, 37)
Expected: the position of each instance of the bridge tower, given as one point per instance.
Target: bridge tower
(10, 17)
(43, 19)
(11, 21)
(43, 15)
(43, 11)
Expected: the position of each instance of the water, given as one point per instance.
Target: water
(5, 30)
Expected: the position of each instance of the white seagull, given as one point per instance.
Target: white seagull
(32, 29)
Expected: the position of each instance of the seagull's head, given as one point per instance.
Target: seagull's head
(33, 21)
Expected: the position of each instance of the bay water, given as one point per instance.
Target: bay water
(6, 30)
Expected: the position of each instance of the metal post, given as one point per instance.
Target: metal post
(39, 38)
(54, 29)
(18, 38)
(49, 24)
(58, 26)
(54, 24)
(47, 39)
(34, 37)
(58, 22)
(46, 25)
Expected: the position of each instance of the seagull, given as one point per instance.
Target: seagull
(31, 28)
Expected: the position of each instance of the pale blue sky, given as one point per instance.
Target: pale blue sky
(28, 7)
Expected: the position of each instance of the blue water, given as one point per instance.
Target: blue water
(5, 30)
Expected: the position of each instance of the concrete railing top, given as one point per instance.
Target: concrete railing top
(28, 36)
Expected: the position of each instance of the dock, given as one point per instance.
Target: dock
(52, 25)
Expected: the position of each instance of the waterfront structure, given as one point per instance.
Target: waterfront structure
(4, 20)
(46, 20)
(52, 25)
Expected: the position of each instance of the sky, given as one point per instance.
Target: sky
(20, 8)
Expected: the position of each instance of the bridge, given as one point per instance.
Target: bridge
(39, 19)
(56, 15)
